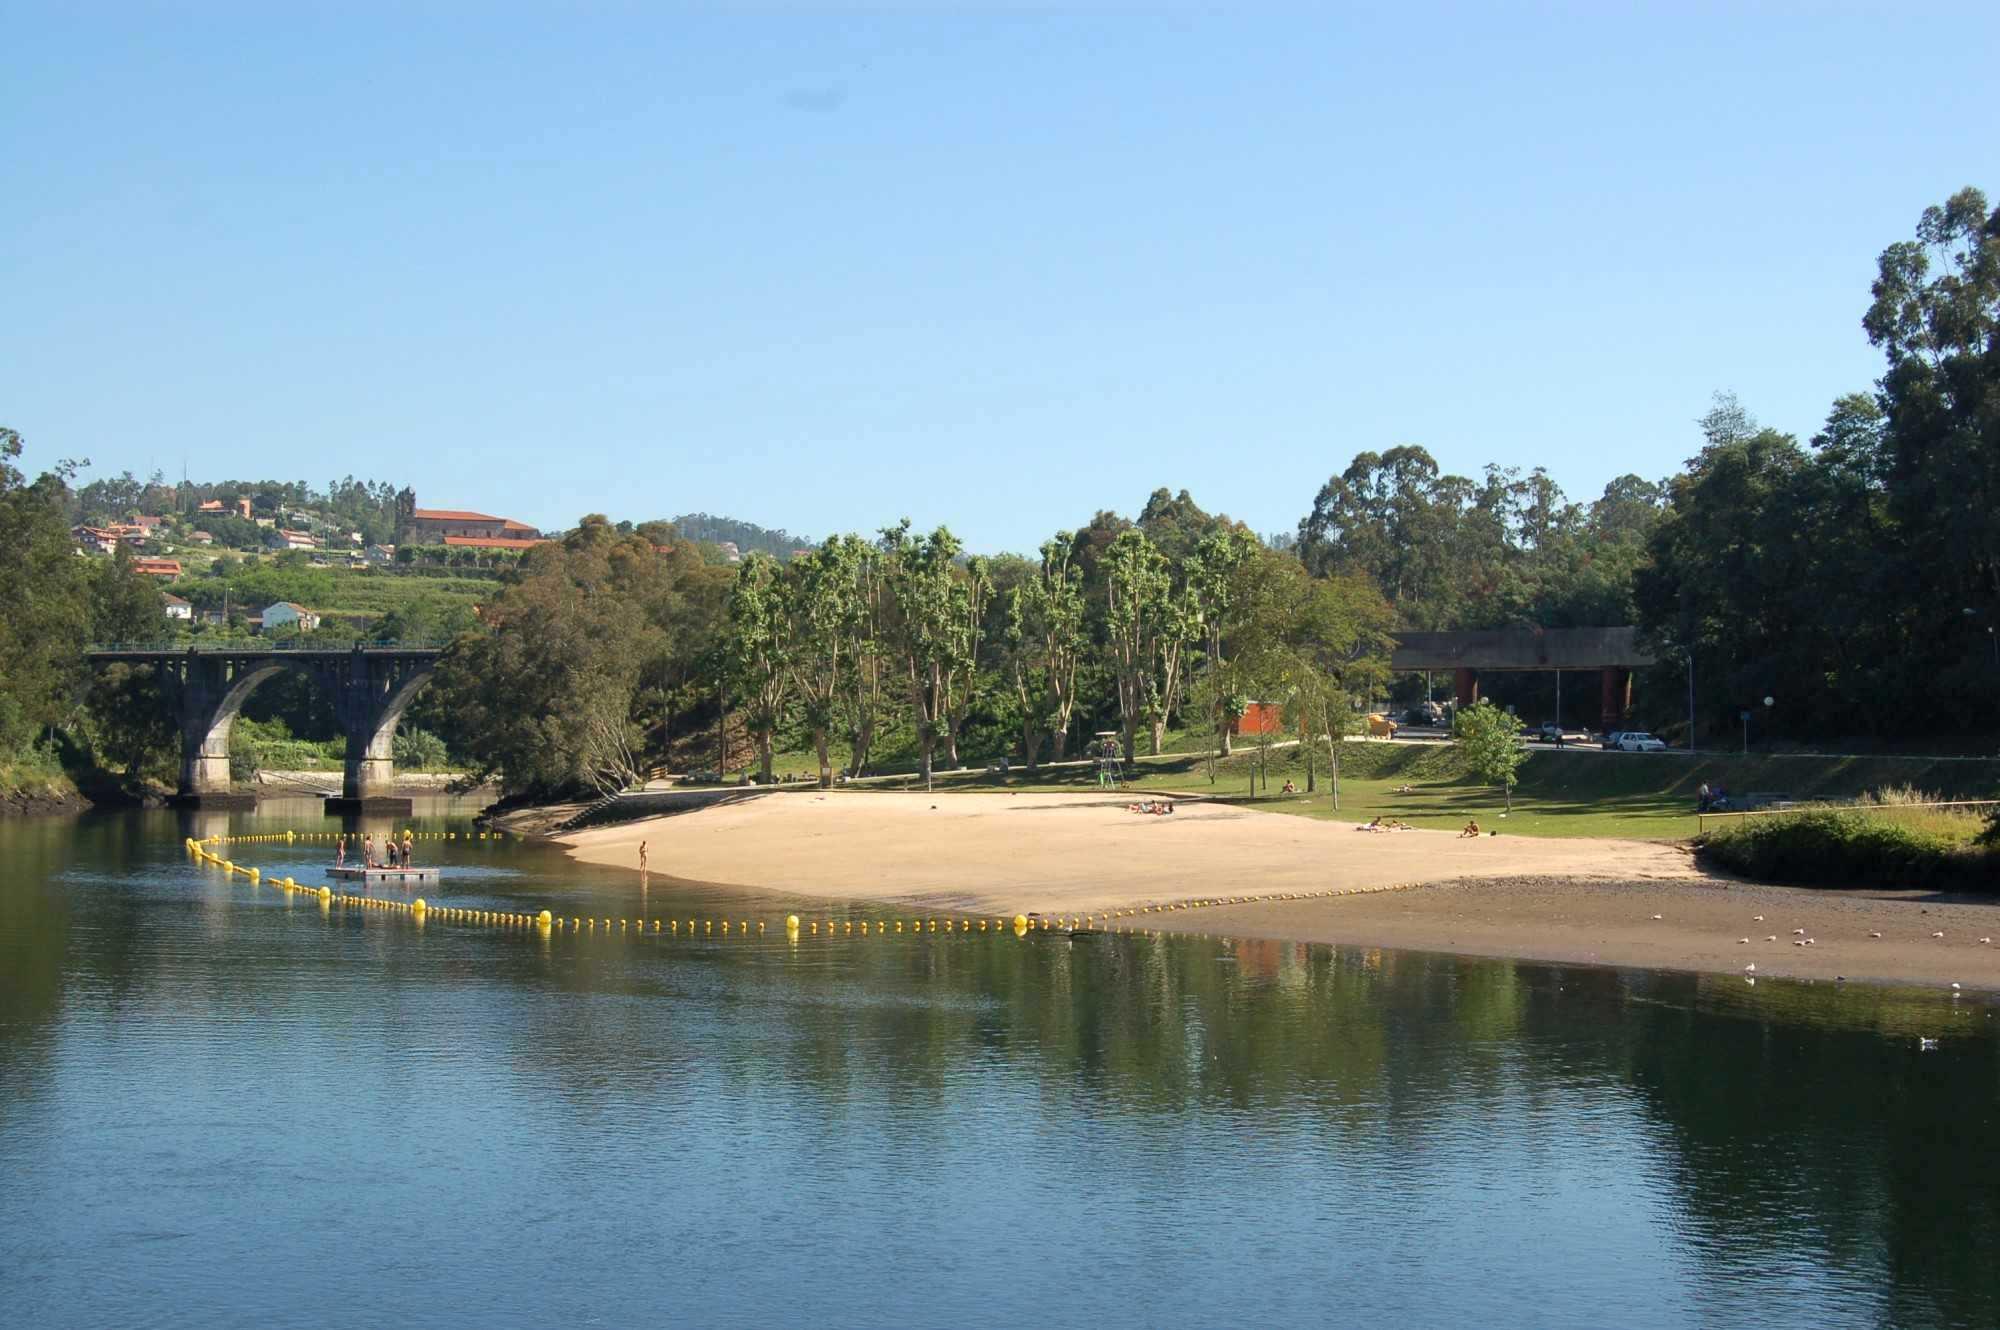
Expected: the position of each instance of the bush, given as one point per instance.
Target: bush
(420, 750)
(1831, 848)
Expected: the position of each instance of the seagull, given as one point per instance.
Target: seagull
(1874, 935)
(1756, 918)
(1741, 940)
(1772, 938)
(1809, 942)
(1659, 916)
(1986, 942)
(1937, 934)
(1798, 932)
(1751, 968)
(1925, 1045)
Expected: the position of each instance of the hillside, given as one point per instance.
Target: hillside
(746, 536)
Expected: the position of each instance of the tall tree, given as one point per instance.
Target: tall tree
(825, 608)
(1138, 591)
(761, 649)
(1045, 645)
(926, 627)
(1936, 317)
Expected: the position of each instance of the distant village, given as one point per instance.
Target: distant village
(173, 546)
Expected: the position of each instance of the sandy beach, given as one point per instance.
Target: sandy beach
(1581, 900)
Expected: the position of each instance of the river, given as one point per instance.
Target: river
(222, 1105)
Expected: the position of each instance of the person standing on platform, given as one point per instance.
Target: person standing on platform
(409, 846)
(340, 850)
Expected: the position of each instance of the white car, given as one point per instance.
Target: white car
(1632, 741)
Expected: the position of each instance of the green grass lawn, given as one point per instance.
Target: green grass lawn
(1648, 796)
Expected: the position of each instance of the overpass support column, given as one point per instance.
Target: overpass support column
(373, 696)
(208, 701)
(1466, 682)
(1617, 696)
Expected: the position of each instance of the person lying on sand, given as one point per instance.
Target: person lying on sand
(1471, 830)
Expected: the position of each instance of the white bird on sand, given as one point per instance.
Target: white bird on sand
(1756, 918)
(1772, 938)
(1937, 934)
(1659, 916)
(1954, 986)
(1742, 940)
(1925, 1045)
(1986, 942)
(1751, 968)
(1874, 935)
(1798, 932)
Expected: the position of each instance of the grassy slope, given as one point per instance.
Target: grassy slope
(1647, 796)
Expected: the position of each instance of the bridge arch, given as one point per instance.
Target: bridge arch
(205, 731)
(370, 686)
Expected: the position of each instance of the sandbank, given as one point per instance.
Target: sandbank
(1580, 900)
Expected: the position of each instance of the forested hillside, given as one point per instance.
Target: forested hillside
(746, 536)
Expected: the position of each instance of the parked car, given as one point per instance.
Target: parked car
(1548, 732)
(1636, 741)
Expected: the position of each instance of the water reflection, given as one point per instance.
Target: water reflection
(215, 1090)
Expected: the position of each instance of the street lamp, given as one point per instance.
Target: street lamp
(1768, 703)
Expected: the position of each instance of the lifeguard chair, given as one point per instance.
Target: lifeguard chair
(1110, 765)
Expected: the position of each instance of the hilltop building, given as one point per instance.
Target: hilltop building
(432, 526)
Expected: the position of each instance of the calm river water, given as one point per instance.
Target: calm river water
(221, 1107)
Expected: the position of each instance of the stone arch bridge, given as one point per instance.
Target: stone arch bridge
(369, 684)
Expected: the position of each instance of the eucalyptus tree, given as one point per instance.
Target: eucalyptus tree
(760, 650)
(971, 593)
(1936, 318)
(1137, 590)
(864, 692)
(1045, 642)
(1211, 577)
(925, 627)
(825, 606)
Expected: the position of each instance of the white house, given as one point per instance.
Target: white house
(298, 540)
(285, 614)
(178, 608)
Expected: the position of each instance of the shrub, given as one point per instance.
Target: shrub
(1831, 848)
(416, 749)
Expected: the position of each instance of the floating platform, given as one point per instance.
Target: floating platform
(379, 803)
(356, 873)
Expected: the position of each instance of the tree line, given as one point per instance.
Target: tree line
(1856, 577)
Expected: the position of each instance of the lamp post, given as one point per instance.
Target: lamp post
(1769, 702)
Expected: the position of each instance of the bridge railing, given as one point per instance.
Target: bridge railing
(185, 646)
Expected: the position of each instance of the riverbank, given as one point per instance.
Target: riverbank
(1583, 900)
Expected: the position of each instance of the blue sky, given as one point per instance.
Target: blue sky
(823, 271)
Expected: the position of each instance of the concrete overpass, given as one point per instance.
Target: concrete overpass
(1612, 652)
(370, 685)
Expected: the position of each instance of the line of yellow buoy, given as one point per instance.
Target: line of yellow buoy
(328, 837)
(1020, 925)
